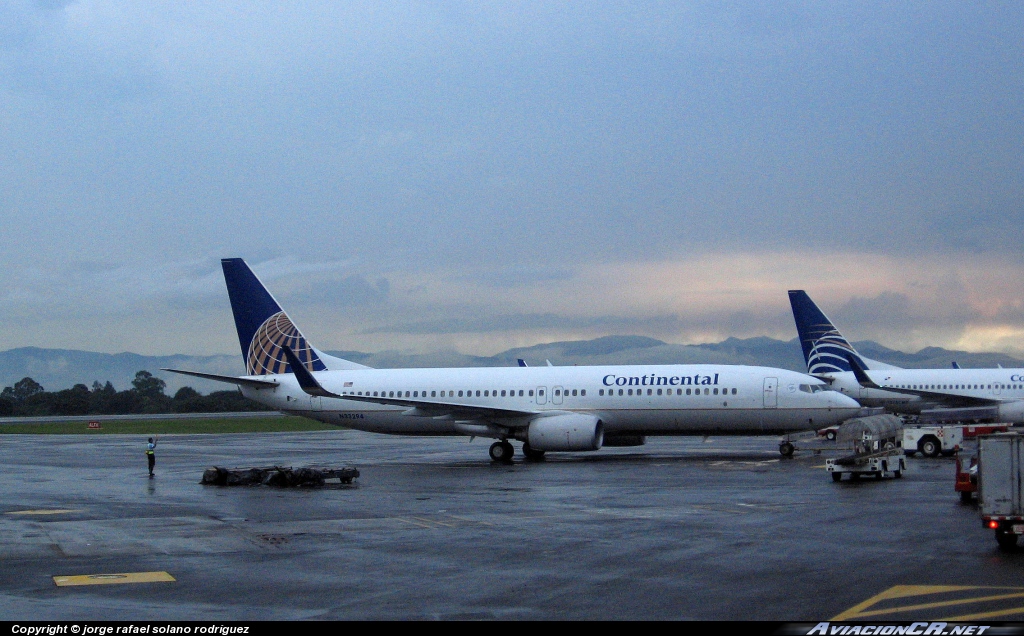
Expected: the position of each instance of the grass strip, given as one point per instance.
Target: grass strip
(213, 425)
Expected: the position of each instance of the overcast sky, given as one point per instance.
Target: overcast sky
(477, 175)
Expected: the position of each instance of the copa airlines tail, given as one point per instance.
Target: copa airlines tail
(825, 349)
(954, 393)
(549, 408)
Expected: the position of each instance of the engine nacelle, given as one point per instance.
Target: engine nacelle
(625, 440)
(567, 432)
(1012, 412)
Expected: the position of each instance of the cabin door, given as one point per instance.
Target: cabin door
(771, 393)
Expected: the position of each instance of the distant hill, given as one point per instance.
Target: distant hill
(58, 369)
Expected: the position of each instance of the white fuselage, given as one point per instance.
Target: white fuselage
(1003, 385)
(629, 400)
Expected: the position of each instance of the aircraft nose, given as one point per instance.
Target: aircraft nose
(840, 401)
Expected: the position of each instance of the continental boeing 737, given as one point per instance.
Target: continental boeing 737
(547, 408)
(967, 394)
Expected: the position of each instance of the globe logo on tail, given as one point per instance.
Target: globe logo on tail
(265, 355)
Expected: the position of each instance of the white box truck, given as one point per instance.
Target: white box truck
(1000, 491)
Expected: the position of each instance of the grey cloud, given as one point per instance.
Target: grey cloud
(735, 323)
(887, 308)
(350, 292)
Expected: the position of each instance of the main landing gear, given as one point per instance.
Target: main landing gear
(531, 454)
(502, 451)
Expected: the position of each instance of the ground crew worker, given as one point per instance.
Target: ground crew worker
(151, 454)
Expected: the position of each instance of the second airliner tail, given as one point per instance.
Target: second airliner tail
(825, 349)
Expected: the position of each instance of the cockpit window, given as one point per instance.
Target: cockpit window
(813, 388)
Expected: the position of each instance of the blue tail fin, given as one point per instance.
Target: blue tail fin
(263, 327)
(825, 349)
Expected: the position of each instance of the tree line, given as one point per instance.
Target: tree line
(28, 398)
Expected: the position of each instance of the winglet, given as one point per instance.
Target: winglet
(860, 373)
(522, 362)
(955, 365)
(306, 380)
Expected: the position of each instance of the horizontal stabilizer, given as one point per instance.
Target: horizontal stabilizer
(249, 382)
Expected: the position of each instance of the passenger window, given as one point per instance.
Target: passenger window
(734, 391)
(574, 392)
(716, 391)
(520, 393)
(540, 392)
(558, 392)
(460, 393)
(531, 393)
(705, 391)
(583, 392)
(485, 393)
(650, 391)
(502, 394)
(687, 391)
(659, 391)
(600, 392)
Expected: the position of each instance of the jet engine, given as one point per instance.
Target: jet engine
(1011, 411)
(567, 432)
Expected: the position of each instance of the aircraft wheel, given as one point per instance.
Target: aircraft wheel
(837, 476)
(854, 476)
(502, 451)
(786, 449)
(529, 453)
(830, 436)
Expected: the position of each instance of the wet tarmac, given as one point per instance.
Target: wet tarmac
(682, 528)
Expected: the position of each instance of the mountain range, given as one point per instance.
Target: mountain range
(57, 369)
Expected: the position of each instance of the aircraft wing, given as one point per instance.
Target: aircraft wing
(417, 407)
(250, 382)
(947, 399)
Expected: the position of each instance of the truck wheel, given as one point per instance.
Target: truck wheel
(837, 476)
(1006, 540)
(930, 446)
(897, 474)
(965, 496)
